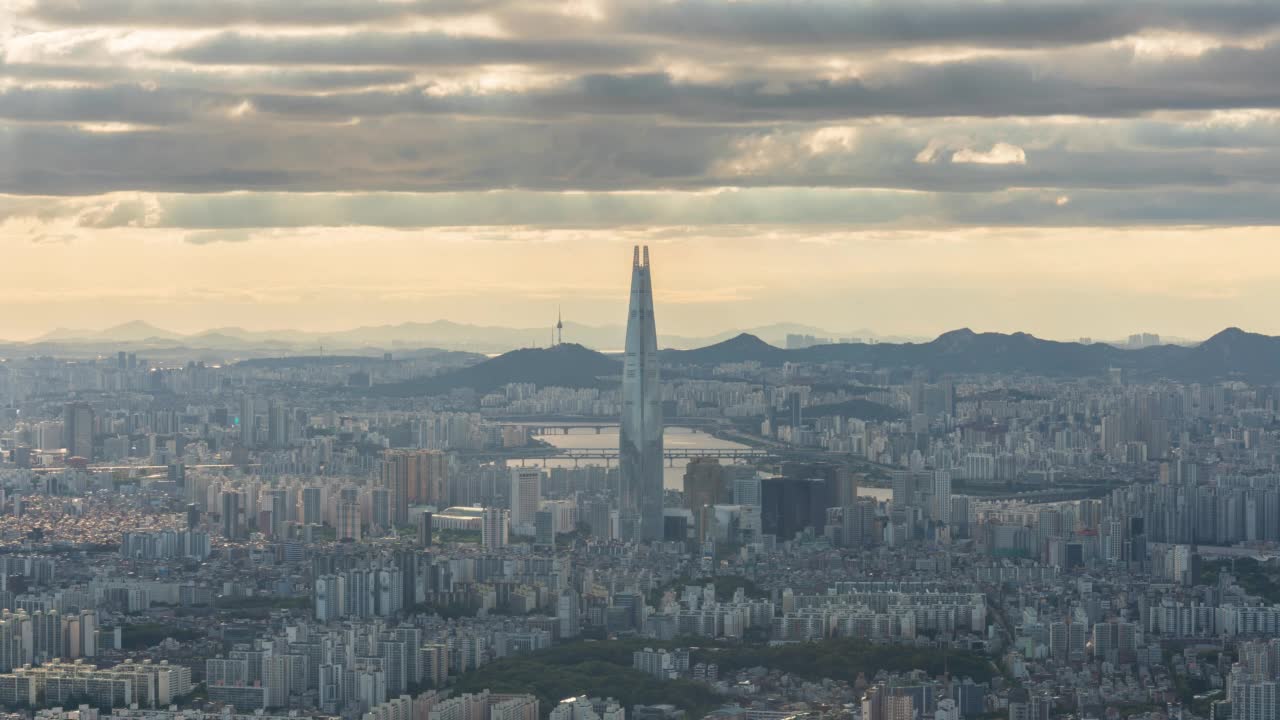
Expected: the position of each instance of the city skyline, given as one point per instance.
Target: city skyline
(323, 393)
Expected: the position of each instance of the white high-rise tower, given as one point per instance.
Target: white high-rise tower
(526, 491)
(640, 436)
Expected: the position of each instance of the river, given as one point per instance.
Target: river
(672, 438)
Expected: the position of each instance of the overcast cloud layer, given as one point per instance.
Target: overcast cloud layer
(231, 122)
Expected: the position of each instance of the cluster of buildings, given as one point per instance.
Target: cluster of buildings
(264, 538)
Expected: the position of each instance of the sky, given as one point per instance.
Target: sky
(1063, 167)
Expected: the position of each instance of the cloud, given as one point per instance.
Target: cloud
(132, 210)
(403, 49)
(409, 154)
(209, 237)
(766, 22)
(999, 154)
(933, 22)
(116, 103)
(423, 112)
(232, 82)
(213, 13)
(235, 217)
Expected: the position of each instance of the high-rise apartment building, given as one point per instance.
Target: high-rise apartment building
(495, 523)
(413, 477)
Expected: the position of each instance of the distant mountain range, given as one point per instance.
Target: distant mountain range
(442, 334)
(1231, 354)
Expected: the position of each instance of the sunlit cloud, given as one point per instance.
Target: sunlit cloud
(999, 154)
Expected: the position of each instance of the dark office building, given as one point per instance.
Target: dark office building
(1075, 555)
(842, 486)
(77, 430)
(425, 528)
(789, 505)
(544, 529)
(970, 697)
(407, 561)
(675, 528)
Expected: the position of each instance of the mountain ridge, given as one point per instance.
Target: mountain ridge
(1230, 353)
(564, 365)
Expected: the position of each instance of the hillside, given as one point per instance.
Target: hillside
(741, 348)
(566, 365)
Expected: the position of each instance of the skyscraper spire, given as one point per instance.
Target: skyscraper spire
(640, 434)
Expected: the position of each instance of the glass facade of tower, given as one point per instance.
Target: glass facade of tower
(640, 437)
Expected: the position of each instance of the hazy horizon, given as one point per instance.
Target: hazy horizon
(781, 327)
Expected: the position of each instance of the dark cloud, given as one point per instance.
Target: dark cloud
(1102, 84)
(843, 24)
(900, 23)
(404, 49)
(243, 80)
(390, 154)
(115, 103)
(414, 154)
(215, 13)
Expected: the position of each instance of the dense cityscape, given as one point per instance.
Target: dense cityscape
(639, 359)
(447, 536)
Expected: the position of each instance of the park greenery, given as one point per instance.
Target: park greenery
(458, 536)
(604, 669)
(601, 669)
(140, 636)
(845, 659)
(1256, 578)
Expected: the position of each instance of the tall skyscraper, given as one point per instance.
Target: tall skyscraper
(247, 421)
(77, 429)
(640, 436)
